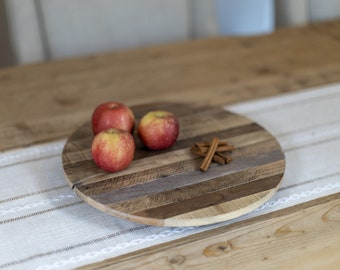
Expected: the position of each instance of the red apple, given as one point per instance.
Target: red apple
(112, 115)
(113, 149)
(158, 130)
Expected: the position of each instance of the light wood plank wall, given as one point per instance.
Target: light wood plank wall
(52, 29)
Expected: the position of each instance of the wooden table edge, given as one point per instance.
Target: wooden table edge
(254, 224)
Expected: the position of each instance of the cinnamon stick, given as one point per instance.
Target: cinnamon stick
(210, 154)
(218, 159)
(207, 144)
(225, 148)
(227, 159)
(203, 150)
(197, 151)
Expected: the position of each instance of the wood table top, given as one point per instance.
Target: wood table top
(48, 101)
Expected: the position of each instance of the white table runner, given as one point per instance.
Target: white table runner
(44, 225)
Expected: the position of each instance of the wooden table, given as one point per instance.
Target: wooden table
(48, 101)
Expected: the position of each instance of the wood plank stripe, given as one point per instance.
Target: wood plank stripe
(151, 169)
(179, 188)
(87, 172)
(210, 198)
(221, 212)
(189, 130)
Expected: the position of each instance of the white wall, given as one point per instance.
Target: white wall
(80, 27)
(51, 29)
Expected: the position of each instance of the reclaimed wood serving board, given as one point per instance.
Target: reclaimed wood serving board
(167, 188)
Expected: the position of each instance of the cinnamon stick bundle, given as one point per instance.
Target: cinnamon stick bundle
(212, 151)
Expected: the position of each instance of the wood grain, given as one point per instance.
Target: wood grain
(167, 188)
(301, 237)
(50, 100)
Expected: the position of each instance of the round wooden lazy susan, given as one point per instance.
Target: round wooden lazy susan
(167, 188)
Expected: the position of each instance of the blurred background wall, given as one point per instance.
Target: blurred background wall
(41, 30)
(6, 53)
